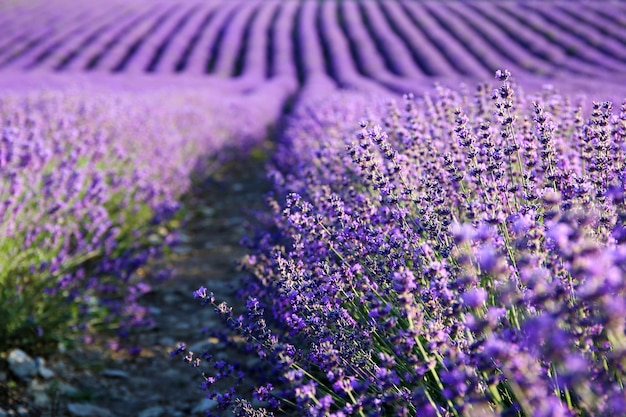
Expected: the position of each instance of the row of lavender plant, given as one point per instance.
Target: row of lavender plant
(385, 44)
(461, 254)
(89, 185)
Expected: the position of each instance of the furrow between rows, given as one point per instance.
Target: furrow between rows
(389, 45)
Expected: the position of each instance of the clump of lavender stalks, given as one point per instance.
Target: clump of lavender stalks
(463, 257)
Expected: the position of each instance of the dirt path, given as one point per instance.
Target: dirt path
(93, 381)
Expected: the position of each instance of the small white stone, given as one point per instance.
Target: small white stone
(44, 372)
(114, 373)
(22, 365)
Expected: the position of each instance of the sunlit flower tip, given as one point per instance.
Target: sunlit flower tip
(503, 75)
(205, 296)
(305, 391)
(475, 297)
(224, 309)
(252, 304)
(200, 293)
(263, 392)
(343, 385)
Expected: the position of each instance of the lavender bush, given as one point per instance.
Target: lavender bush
(90, 184)
(457, 255)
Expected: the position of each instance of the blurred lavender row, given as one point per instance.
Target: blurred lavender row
(392, 45)
(92, 172)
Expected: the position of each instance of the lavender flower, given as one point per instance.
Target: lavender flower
(433, 268)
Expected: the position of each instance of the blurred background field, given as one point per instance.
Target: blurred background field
(399, 46)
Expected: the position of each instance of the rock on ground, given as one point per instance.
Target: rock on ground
(21, 365)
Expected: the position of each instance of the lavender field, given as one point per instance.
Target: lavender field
(398, 46)
(445, 232)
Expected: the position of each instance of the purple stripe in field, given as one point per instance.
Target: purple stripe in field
(370, 62)
(37, 31)
(616, 15)
(97, 49)
(580, 35)
(342, 63)
(199, 59)
(498, 46)
(308, 41)
(390, 44)
(424, 53)
(168, 43)
(73, 46)
(145, 53)
(284, 64)
(607, 28)
(233, 41)
(38, 56)
(124, 51)
(16, 23)
(182, 45)
(255, 57)
(572, 39)
(575, 59)
(469, 39)
(251, 61)
(441, 37)
(523, 44)
(590, 32)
